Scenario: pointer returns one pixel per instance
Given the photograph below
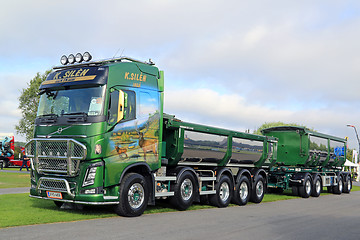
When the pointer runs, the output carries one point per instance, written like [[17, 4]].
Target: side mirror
[[121, 106], [117, 106]]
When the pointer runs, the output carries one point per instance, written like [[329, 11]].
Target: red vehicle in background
[[19, 162], [7, 148]]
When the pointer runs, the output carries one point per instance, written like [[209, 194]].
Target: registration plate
[[56, 195]]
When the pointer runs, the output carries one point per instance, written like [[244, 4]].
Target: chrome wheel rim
[[224, 191], [340, 185], [349, 184], [136, 195], [259, 189], [244, 191], [186, 189], [318, 186], [308, 187]]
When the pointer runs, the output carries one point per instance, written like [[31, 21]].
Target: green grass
[[14, 180], [19, 209]]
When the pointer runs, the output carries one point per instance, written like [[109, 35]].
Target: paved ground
[[328, 217], [14, 190]]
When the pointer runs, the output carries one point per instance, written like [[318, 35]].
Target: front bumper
[[75, 201]]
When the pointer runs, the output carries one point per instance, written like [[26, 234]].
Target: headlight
[[89, 176]]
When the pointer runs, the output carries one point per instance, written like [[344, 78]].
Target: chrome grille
[[52, 184], [57, 165], [56, 156]]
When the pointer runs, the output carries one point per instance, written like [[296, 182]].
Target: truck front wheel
[[134, 196], [184, 191]]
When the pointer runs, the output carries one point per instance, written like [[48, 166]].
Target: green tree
[[275, 124], [28, 103]]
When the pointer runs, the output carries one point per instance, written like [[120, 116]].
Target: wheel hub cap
[[136, 195]]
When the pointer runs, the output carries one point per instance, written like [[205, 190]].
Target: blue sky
[[233, 64]]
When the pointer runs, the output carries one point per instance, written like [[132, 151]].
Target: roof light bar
[[78, 58]]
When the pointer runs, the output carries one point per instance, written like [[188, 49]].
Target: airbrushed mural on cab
[[137, 139]]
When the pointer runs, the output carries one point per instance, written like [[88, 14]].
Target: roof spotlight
[[63, 60], [78, 58], [87, 56], [71, 58]]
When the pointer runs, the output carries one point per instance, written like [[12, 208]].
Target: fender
[[179, 171], [221, 171], [139, 168], [255, 173], [241, 173]]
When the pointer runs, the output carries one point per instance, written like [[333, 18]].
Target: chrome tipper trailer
[[101, 137]]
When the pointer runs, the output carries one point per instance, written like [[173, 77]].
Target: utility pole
[[357, 136]]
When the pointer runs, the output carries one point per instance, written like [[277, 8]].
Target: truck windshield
[[84, 101]]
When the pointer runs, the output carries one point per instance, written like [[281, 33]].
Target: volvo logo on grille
[[59, 131]]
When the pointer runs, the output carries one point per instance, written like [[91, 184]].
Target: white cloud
[[283, 60]]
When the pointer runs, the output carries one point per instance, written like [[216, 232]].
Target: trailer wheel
[[339, 188], [347, 184], [134, 196], [242, 191], [184, 191], [257, 194], [305, 190], [224, 192], [316, 191]]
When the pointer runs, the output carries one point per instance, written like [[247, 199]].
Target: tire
[[347, 184], [242, 191], [58, 204], [133, 195], [330, 189], [295, 190], [224, 192], [338, 189], [257, 193], [184, 191], [306, 189], [317, 187]]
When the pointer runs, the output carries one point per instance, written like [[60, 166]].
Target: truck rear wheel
[[242, 191], [184, 191], [306, 189], [316, 191], [224, 192], [257, 194], [338, 189], [134, 196], [347, 184]]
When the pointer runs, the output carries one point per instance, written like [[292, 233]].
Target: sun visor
[[76, 76]]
